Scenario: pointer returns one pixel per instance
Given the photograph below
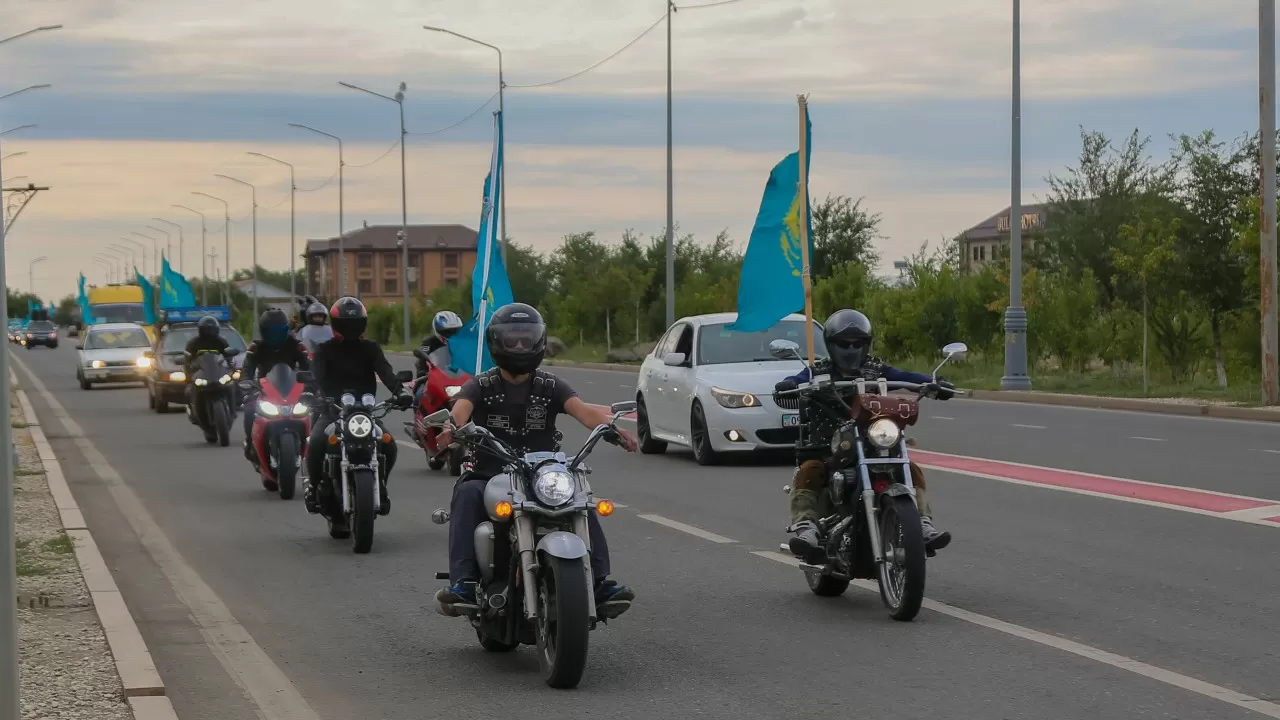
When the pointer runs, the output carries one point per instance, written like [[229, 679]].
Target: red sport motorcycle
[[442, 384], [281, 428]]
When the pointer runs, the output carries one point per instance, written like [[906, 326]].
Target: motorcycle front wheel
[[564, 609], [222, 422], [287, 466], [902, 575], [364, 490]]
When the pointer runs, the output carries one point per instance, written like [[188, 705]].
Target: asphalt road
[[1039, 586]]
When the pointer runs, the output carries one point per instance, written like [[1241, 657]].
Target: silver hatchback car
[[112, 353]]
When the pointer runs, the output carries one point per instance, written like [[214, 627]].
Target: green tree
[[843, 232], [64, 314]]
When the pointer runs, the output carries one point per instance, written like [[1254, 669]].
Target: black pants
[[466, 512], [250, 414], [317, 446]]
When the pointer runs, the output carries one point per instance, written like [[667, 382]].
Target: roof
[[264, 290], [726, 317], [386, 237], [989, 229]]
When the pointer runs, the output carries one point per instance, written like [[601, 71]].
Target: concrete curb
[[143, 687]]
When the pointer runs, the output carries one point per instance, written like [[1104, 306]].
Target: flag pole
[[803, 190], [495, 188]]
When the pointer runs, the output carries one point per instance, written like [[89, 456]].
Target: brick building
[[438, 255], [988, 240]]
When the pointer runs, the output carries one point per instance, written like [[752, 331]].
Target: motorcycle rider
[[315, 331], [444, 325], [518, 403], [277, 345], [208, 338], [348, 363], [848, 337]]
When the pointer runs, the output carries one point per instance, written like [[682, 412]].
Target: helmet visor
[[519, 337]]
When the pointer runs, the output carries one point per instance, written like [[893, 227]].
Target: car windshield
[[718, 345], [118, 313], [40, 326], [176, 339], [123, 338]]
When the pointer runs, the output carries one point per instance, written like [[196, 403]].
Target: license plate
[[790, 420]]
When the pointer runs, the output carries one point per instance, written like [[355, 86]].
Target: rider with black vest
[[518, 403]]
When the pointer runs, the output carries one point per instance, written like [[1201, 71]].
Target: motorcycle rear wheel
[[902, 577], [564, 609], [287, 466], [364, 489]]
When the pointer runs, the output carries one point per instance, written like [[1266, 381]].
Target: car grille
[[120, 363], [787, 402], [779, 436]]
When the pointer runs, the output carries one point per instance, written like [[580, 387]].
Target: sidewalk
[[70, 670]]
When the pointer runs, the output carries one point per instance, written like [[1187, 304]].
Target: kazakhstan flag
[[82, 299], [175, 291], [770, 288], [148, 298]]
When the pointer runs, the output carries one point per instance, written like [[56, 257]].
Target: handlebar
[[481, 439], [863, 385]]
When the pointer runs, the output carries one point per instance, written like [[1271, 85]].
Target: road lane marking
[[1149, 439], [1033, 427], [1168, 677], [694, 531], [1170, 497], [240, 655], [1261, 513], [1273, 452], [940, 417]]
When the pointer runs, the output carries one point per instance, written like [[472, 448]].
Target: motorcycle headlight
[[453, 390], [731, 399], [235, 375], [224, 379], [143, 362], [884, 433], [178, 376], [201, 382], [553, 487], [360, 426], [269, 409], [97, 364], [300, 410]]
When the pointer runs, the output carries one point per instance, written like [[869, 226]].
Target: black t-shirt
[[342, 366], [514, 415]]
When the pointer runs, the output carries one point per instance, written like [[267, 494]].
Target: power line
[[385, 153], [473, 114], [586, 70]]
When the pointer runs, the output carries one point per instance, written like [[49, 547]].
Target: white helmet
[[446, 324]]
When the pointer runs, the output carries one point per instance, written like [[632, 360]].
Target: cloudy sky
[[910, 107]]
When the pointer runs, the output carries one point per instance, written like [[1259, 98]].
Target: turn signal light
[[502, 509], [333, 439], [386, 438], [604, 508]]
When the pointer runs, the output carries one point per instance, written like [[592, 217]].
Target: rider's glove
[[404, 400], [785, 385], [941, 390]]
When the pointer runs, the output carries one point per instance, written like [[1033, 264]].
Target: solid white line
[[696, 532], [241, 656], [1255, 513], [1033, 427], [1139, 437], [1168, 677]]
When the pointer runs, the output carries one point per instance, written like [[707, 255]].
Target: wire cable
[[588, 69], [473, 114], [385, 153]]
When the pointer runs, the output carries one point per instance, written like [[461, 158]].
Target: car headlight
[[553, 487], [178, 376], [731, 399], [225, 379], [360, 426], [143, 362], [300, 410], [884, 433], [97, 364], [269, 409], [201, 382], [453, 390]]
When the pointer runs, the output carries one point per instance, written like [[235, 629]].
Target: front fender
[[897, 489], [564, 545]]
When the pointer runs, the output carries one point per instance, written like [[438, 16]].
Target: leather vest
[[526, 426]]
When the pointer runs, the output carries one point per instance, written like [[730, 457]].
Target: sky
[[910, 104]]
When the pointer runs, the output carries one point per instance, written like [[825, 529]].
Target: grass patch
[[20, 472], [27, 565], [19, 425], [61, 545]]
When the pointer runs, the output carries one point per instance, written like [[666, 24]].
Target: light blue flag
[[82, 299], [770, 287], [148, 298], [490, 286], [175, 291]]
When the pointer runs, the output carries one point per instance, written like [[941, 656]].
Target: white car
[[711, 389], [112, 352]]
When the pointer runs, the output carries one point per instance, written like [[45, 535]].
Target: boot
[[934, 540], [806, 544]]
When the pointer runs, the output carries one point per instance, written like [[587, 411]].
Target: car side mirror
[[674, 359], [80, 346], [405, 376], [306, 377]]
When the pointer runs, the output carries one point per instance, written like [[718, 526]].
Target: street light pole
[[127, 252], [293, 195], [204, 274], [342, 258], [31, 274], [671, 212], [143, 253], [226, 239], [254, 196], [398, 99], [502, 171], [1015, 316], [182, 244], [1267, 135], [104, 265], [168, 241], [110, 262], [155, 252]]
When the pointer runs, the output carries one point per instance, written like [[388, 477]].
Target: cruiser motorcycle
[[536, 584], [874, 531]]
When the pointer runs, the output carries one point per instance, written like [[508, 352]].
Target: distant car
[[111, 353], [711, 389], [40, 332], [165, 379]]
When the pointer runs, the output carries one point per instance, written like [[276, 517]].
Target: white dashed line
[[1168, 677], [940, 417], [1273, 452], [1031, 427], [1139, 437], [696, 532]]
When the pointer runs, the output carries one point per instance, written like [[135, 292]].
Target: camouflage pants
[[809, 501]]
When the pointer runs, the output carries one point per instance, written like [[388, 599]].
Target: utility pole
[[1267, 134], [671, 233], [1015, 316]]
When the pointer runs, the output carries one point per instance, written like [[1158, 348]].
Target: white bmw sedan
[[710, 388]]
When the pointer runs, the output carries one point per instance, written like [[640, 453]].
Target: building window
[[982, 252], [414, 260], [390, 286], [365, 286], [390, 260], [451, 260], [364, 260], [975, 253], [451, 281]]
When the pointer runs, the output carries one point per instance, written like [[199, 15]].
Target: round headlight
[[359, 426], [268, 408], [178, 376], [143, 362], [201, 382], [884, 433], [301, 409], [98, 364], [453, 390], [553, 487], [224, 379]]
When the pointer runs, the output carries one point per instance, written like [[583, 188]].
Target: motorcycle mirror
[[405, 376], [440, 517], [955, 350], [305, 377], [625, 407], [307, 398], [439, 417], [784, 349], [421, 354]]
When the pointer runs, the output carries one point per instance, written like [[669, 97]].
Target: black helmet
[[350, 318], [848, 336], [273, 326], [517, 338], [208, 327], [316, 314]]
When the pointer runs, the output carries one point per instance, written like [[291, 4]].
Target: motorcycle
[[352, 465], [442, 385], [874, 532], [536, 582], [281, 428], [212, 397]]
